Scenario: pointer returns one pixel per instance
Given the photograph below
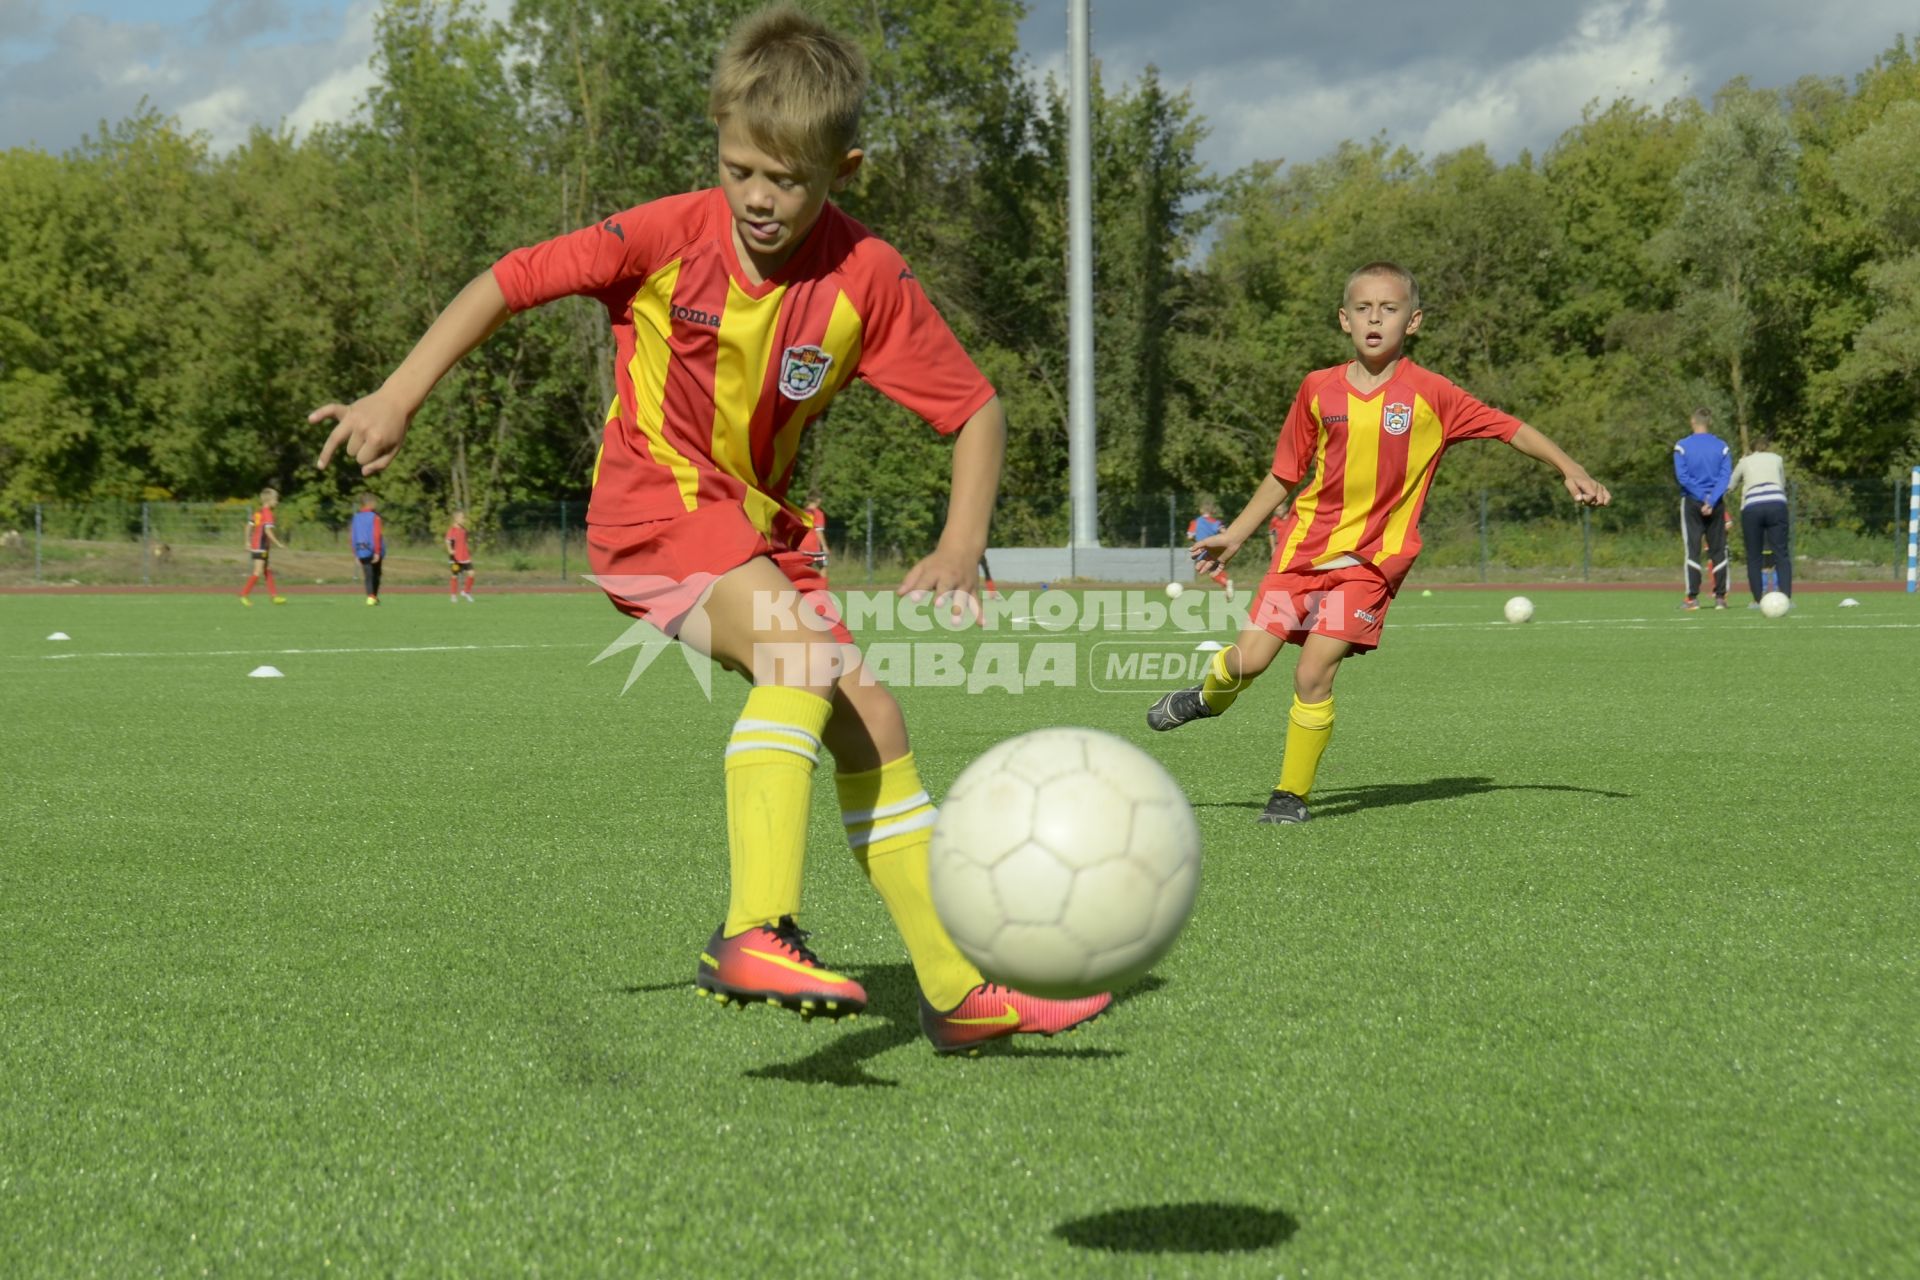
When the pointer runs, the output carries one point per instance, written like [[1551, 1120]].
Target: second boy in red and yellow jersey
[[1372, 457], [1367, 435]]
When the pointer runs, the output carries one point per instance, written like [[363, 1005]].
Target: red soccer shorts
[[1348, 603], [659, 570]]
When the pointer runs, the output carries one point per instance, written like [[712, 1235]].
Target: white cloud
[[1620, 50], [1275, 79], [241, 63], [1288, 108]]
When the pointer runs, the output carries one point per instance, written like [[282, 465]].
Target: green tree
[[1730, 235]]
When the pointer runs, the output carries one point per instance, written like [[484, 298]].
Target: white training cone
[[1848, 603], [1208, 646], [267, 673], [59, 635]]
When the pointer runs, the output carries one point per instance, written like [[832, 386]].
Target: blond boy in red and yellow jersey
[[1371, 431], [737, 314]]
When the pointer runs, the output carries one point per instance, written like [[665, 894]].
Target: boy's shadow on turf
[[1181, 1228], [843, 1060], [1385, 795]]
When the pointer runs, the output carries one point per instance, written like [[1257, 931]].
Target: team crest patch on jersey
[[1399, 419], [803, 371]]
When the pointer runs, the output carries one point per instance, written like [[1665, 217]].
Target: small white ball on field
[[1775, 604], [1519, 609], [1173, 590]]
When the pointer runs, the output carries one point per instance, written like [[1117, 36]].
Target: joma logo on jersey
[[687, 315], [1333, 419], [1365, 617], [803, 371], [1399, 419]]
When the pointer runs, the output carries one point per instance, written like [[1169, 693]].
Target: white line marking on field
[[1067, 626], [237, 653]]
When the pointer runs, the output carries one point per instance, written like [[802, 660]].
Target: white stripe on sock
[[853, 817], [918, 822], [740, 748]]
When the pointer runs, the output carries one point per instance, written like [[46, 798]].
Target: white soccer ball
[[1065, 862], [1519, 609], [1775, 604], [1173, 590]]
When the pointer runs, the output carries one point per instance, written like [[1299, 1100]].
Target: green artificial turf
[[1599, 957]]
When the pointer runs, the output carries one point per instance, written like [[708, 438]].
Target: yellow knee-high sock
[[1219, 690], [889, 822], [1309, 728], [770, 761]]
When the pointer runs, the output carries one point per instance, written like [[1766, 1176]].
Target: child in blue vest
[[369, 546]]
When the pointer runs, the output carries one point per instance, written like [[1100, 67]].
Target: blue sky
[[1275, 78]]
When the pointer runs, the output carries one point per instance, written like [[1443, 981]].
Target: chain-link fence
[[1842, 531]]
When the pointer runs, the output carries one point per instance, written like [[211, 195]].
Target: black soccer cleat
[[1177, 708], [1284, 806]]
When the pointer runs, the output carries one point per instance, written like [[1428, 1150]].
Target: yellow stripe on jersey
[[748, 327], [842, 342], [1423, 444], [1307, 504], [1360, 475], [652, 357], [613, 411]]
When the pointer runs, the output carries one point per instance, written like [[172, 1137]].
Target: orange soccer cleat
[[771, 963], [993, 1012]]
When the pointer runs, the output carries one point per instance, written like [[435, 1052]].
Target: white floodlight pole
[[1083, 479]]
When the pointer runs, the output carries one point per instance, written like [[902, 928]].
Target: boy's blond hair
[[794, 84], [269, 496], [1385, 268]]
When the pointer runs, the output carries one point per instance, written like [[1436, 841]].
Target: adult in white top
[[1762, 479]]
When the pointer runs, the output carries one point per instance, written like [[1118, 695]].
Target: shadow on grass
[[843, 1060], [1336, 801], [656, 987], [1181, 1228], [891, 987]]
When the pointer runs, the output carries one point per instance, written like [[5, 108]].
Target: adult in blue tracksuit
[[1703, 465]]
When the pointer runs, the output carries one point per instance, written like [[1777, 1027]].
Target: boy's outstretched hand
[[952, 579], [370, 428], [1215, 551], [1586, 491]]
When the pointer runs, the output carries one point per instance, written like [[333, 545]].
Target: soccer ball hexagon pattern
[[1065, 862]]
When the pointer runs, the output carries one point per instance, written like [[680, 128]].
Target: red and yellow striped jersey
[[1373, 458], [457, 543], [716, 377], [257, 527]]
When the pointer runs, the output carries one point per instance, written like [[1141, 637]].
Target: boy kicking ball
[[737, 313], [1372, 430]]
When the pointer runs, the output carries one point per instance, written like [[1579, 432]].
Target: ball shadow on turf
[[1207, 1227]]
